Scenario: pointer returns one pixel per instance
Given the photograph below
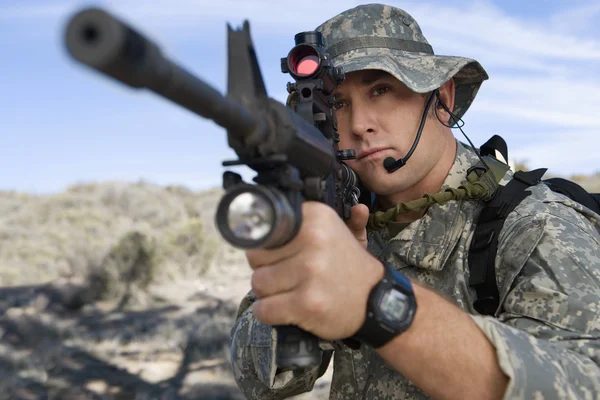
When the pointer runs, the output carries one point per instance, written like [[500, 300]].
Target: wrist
[[390, 308], [376, 274]]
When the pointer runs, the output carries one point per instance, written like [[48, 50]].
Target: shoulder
[[549, 261], [550, 244], [554, 219], [557, 213]]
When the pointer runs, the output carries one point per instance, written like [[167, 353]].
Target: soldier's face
[[378, 117]]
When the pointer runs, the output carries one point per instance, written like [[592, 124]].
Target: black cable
[[392, 165], [456, 124]]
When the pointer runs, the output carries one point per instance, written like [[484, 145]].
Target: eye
[[339, 104], [379, 90]]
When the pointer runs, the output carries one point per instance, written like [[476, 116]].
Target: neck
[[431, 183]]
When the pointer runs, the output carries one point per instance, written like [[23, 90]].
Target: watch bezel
[[378, 330], [385, 286], [389, 297]]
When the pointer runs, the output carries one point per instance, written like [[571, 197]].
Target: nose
[[361, 121]]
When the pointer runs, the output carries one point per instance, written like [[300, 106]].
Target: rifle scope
[[308, 60]]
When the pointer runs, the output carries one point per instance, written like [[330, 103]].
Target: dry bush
[[64, 235], [520, 165], [190, 246], [129, 265], [100, 296]]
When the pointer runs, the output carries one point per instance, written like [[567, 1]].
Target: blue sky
[[62, 124]]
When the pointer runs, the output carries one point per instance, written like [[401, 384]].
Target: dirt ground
[[176, 348]]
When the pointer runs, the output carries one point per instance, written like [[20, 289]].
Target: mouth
[[371, 154]]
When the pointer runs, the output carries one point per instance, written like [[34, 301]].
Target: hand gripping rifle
[[294, 149]]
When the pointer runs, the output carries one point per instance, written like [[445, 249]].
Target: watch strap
[[372, 332]]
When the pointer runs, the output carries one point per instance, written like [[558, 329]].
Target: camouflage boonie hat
[[377, 36]]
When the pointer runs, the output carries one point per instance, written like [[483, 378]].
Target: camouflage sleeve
[[547, 335], [253, 360]]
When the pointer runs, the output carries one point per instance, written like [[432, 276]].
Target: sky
[[62, 124]]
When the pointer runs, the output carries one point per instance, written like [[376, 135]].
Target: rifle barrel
[[108, 45]]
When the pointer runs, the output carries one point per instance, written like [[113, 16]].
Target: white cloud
[[543, 84], [548, 116], [485, 24], [559, 101], [542, 69], [192, 13], [44, 10], [576, 19], [569, 152]]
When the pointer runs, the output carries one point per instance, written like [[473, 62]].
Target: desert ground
[[120, 290]]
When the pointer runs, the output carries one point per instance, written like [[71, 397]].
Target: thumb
[[359, 216]]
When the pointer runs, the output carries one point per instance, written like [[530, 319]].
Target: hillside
[[120, 291], [117, 291]]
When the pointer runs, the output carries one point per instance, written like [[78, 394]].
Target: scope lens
[[307, 66], [303, 60], [250, 216]]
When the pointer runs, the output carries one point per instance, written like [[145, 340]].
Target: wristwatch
[[391, 308]]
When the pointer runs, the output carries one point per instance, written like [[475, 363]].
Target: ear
[[447, 96]]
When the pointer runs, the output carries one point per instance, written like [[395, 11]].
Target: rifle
[[293, 149]]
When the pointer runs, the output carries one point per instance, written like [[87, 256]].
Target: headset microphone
[[390, 164]]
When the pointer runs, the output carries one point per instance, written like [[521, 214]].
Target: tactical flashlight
[[253, 216]]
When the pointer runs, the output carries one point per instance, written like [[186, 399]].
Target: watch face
[[393, 305]]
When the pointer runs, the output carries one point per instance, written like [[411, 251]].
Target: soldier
[[543, 340]]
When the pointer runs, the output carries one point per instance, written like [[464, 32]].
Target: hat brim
[[420, 72]]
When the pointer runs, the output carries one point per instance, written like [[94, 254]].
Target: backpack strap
[[575, 192], [484, 246]]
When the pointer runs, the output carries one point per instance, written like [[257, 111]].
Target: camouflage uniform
[[547, 331]]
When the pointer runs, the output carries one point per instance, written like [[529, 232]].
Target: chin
[[380, 182]]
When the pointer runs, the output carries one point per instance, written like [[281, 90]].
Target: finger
[[359, 216], [275, 279], [276, 310], [258, 258]]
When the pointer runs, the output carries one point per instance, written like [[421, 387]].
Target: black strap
[[484, 246], [494, 143], [362, 42], [575, 192], [596, 197]]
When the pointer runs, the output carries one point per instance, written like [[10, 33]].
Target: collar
[[429, 241]]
